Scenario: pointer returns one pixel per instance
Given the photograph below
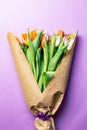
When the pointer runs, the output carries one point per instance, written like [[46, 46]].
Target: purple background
[[17, 16]]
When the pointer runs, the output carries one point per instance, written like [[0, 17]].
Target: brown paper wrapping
[[52, 96]]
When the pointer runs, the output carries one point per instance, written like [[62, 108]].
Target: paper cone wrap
[[50, 100]]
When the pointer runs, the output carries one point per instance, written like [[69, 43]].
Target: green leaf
[[24, 48], [45, 50], [41, 69], [46, 77], [54, 61], [29, 39], [52, 46], [38, 64], [44, 64], [61, 43], [31, 57], [37, 40]]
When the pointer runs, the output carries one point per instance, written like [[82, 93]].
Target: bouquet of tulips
[[43, 64]]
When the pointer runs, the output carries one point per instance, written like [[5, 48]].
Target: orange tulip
[[60, 33], [33, 34], [25, 38], [42, 41]]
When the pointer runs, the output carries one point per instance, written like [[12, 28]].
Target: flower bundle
[[43, 63]]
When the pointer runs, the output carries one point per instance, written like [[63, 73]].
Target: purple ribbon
[[43, 116]]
